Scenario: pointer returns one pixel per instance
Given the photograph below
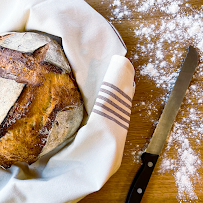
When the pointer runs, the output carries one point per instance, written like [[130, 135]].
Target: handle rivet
[[150, 164], [139, 190]]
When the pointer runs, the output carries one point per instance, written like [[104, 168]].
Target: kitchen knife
[[151, 154]]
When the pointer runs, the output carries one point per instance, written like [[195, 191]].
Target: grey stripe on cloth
[[118, 115], [118, 90], [110, 118]]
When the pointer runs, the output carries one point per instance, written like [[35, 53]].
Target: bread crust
[[49, 109]]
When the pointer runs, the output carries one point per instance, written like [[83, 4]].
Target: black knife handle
[[142, 177]]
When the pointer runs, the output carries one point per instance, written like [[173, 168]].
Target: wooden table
[[178, 174]]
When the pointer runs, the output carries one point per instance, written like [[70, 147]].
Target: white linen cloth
[[105, 78]]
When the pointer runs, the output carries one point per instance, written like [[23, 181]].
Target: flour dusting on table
[[174, 29]]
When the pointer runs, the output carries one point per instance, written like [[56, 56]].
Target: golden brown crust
[[48, 90]]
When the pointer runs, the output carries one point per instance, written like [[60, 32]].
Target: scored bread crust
[[49, 109]]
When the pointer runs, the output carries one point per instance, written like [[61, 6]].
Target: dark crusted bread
[[49, 108]]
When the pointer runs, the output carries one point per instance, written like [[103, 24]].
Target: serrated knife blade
[[151, 154]]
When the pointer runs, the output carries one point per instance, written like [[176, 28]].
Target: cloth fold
[[105, 78]]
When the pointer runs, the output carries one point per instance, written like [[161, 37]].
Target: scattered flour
[[119, 11], [186, 162], [175, 27], [180, 28]]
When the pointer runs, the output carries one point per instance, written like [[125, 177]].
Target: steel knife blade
[[151, 154]]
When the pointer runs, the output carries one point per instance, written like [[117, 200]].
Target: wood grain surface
[[148, 101]]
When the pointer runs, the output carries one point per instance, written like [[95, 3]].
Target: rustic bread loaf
[[45, 107]]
